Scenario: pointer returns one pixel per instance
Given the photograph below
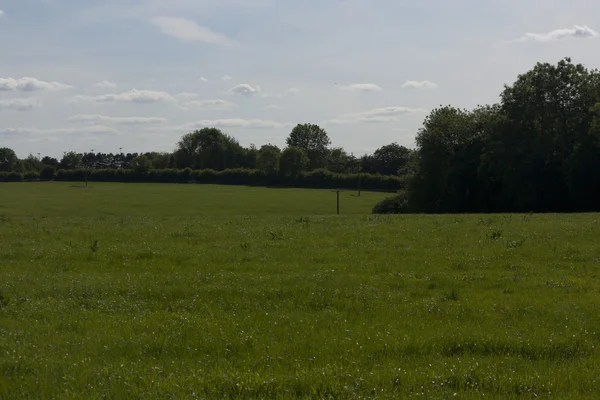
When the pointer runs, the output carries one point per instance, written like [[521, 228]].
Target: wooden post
[[337, 200]]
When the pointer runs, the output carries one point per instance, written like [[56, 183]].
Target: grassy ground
[[277, 303], [119, 199]]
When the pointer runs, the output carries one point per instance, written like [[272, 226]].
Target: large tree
[[141, 165], [71, 160], [387, 160], [292, 162], [532, 155], [268, 159], [8, 159], [449, 147], [338, 160], [313, 140], [209, 148]]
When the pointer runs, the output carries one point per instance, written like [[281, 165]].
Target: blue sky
[[104, 74]]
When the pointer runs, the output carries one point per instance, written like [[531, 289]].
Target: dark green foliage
[[141, 165], [317, 179], [393, 205], [537, 150], [47, 173], [292, 162], [268, 159], [8, 159], [313, 141], [387, 160], [71, 160], [10, 176], [31, 176]]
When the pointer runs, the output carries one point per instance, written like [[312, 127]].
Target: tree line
[[536, 150], [212, 156]]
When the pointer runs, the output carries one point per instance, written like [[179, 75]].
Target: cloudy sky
[[137, 74]]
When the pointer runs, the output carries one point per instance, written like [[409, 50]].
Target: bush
[[31, 176], [47, 173], [14, 177], [393, 205], [317, 179]]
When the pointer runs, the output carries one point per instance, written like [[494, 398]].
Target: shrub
[[393, 205], [317, 179], [13, 177], [31, 176], [47, 173]]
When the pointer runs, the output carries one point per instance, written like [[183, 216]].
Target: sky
[[134, 76]]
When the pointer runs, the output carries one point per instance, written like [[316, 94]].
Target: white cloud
[[186, 96], [226, 78], [118, 120], [577, 32], [363, 87], [132, 96], [87, 130], [105, 85], [211, 104], [27, 84], [377, 115], [189, 31], [203, 79], [236, 123], [272, 107], [293, 90], [19, 104], [84, 131], [419, 85], [1, 13], [245, 89]]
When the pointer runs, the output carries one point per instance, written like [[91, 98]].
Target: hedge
[[317, 179]]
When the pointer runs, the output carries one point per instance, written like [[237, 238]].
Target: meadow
[[129, 291]]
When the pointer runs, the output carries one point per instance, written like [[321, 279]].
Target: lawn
[[190, 291], [138, 199]]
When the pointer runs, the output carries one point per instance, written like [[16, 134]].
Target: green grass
[[158, 301], [74, 199]]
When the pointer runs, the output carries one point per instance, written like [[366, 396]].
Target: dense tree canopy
[[537, 150], [268, 159], [313, 141], [8, 159], [293, 161]]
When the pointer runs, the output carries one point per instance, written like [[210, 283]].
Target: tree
[[387, 160], [209, 148], [50, 161], [341, 162], [71, 160], [47, 173], [250, 157], [141, 165], [8, 159], [449, 150], [292, 162], [268, 159], [313, 140], [547, 125], [159, 160], [32, 164]]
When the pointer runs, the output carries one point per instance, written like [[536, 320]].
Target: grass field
[[74, 199], [189, 291]]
